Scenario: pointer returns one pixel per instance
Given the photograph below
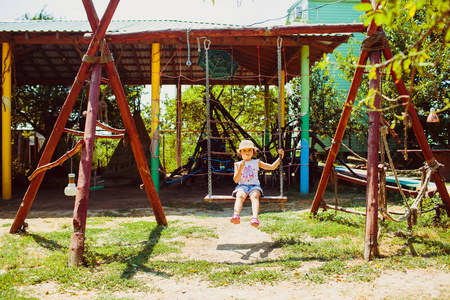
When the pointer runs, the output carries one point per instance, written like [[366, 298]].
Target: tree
[[244, 103], [419, 36]]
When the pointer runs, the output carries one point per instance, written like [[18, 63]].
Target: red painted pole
[[370, 241], [340, 130], [129, 125], [76, 248], [418, 130], [136, 145], [357, 77], [62, 119]]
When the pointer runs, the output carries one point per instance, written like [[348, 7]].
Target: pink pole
[[370, 241], [76, 248]]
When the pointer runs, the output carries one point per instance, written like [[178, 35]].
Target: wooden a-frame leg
[[418, 130], [76, 248], [371, 229], [130, 127], [357, 77], [62, 118]]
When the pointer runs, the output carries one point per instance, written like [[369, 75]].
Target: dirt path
[[239, 244]]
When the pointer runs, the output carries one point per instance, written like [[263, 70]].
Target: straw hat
[[246, 144]]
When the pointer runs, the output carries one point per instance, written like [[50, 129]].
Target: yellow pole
[[283, 82], [156, 69], [6, 122]]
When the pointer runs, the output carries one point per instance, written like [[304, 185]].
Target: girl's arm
[[238, 170], [275, 164]]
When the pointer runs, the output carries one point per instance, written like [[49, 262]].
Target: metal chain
[[206, 44], [279, 42], [188, 63]]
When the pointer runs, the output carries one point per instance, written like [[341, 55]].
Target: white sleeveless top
[[249, 175]]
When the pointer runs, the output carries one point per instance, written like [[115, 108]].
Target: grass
[[122, 254]]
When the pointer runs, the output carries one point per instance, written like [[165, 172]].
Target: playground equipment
[[300, 41], [375, 45], [91, 60], [210, 197]]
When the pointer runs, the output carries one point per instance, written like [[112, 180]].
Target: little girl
[[246, 176]]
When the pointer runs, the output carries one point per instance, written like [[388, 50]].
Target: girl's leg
[[254, 197], [240, 198]]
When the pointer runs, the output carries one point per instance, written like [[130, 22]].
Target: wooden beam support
[[371, 232], [76, 248], [418, 130], [129, 125], [119, 38], [63, 117], [345, 116]]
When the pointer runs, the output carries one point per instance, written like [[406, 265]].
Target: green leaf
[[399, 117], [447, 36], [393, 123], [412, 12], [363, 7], [378, 19], [373, 73]]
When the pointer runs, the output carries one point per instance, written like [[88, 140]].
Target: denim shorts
[[247, 189]]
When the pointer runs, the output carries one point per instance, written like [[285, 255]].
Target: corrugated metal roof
[[43, 57], [115, 26]]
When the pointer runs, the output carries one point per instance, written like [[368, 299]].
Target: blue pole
[[304, 155]]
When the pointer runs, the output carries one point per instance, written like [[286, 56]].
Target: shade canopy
[[50, 52]]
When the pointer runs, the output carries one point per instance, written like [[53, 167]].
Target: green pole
[[304, 155]]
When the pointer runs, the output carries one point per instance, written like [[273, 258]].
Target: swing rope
[[207, 44], [413, 208], [280, 166]]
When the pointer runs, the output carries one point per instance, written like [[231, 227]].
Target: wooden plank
[[119, 38], [226, 198]]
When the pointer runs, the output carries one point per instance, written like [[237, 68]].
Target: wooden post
[[267, 136], [178, 124], [129, 124], [76, 248], [156, 69], [6, 122], [63, 116], [283, 100], [370, 241], [304, 134]]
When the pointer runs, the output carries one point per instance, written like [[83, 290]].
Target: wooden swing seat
[[225, 198]]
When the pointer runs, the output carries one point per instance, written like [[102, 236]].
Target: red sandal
[[254, 222], [235, 219]]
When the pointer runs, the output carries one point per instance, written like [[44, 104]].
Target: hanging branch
[[78, 147]]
